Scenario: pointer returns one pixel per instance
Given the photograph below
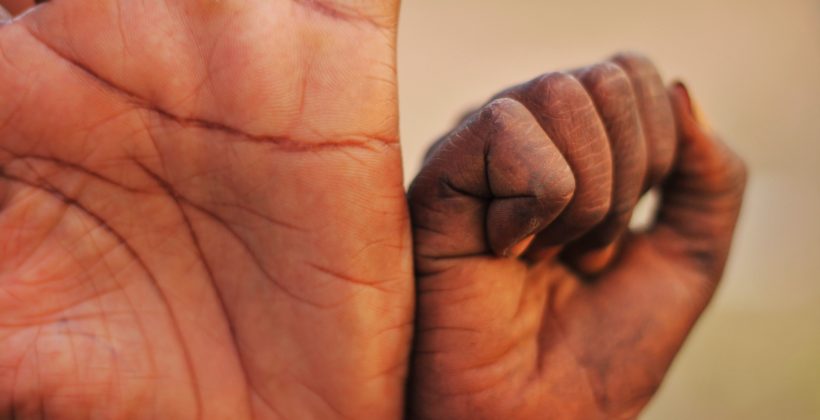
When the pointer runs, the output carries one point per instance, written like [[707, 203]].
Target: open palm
[[535, 300], [202, 211]]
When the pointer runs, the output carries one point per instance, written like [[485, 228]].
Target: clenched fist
[[535, 300]]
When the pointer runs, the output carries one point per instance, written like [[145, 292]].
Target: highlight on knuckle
[[606, 78]]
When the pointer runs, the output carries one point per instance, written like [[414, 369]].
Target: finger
[[567, 114], [491, 182], [656, 114], [441, 140], [649, 304], [702, 198], [497, 179], [15, 7], [610, 89]]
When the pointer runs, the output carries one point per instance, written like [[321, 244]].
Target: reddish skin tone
[[195, 220], [225, 301], [14, 7], [586, 322]]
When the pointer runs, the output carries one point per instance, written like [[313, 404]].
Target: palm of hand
[[586, 322], [199, 229]]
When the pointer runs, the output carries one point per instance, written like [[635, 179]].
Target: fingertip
[[592, 262], [684, 110], [687, 109], [680, 99], [680, 93], [518, 249], [631, 58]]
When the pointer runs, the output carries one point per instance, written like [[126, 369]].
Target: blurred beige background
[[754, 66]]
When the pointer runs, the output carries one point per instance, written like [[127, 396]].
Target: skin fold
[[202, 212], [535, 300]]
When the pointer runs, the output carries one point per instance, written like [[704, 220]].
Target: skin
[[209, 227], [535, 300], [196, 221]]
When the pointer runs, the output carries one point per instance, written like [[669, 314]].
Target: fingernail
[[684, 91], [518, 248], [694, 109]]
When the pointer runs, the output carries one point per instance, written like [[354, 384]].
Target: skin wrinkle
[[307, 65], [462, 192], [370, 142], [335, 12], [660, 153], [257, 261], [48, 233], [134, 190], [13, 296], [8, 60], [594, 386], [76, 167], [398, 367], [16, 372], [57, 313], [121, 29], [401, 363], [492, 132], [15, 111], [179, 202], [72, 346], [492, 125], [557, 100], [46, 315], [266, 403], [222, 210], [42, 401], [692, 220], [324, 400], [153, 280], [262, 216], [427, 228], [208, 77], [347, 278]]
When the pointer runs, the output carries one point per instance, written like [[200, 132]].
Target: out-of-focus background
[[754, 67]]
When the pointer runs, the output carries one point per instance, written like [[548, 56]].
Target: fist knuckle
[[555, 91], [605, 78], [635, 61], [559, 191], [501, 113]]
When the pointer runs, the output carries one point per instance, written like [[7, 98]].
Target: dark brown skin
[[535, 300]]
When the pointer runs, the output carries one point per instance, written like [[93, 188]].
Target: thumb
[[701, 200]]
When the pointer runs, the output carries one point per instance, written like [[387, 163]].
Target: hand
[[201, 211], [535, 299]]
